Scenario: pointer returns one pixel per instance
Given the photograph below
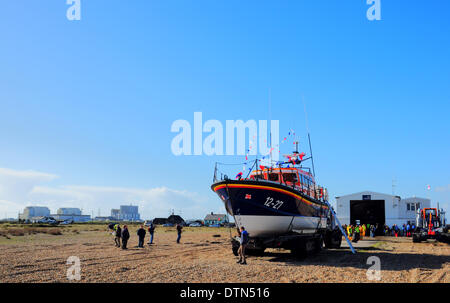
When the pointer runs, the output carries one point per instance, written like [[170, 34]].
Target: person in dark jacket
[[372, 231], [179, 230], [118, 234], [141, 234], [125, 237], [242, 245], [151, 230], [357, 234]]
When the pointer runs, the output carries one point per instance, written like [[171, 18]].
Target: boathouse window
[[273, 177], [411, 206], [290, 177]]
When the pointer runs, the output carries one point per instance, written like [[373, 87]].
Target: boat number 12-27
[[270, 203]]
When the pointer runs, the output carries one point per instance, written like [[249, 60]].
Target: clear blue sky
[[92, 101]]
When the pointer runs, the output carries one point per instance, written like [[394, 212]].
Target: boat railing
[[301, 182], [221, 175]]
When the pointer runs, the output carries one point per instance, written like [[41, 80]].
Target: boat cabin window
[[273, 177], [290, 177], [306, 181], [258, 176]]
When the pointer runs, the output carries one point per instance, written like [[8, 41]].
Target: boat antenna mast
[[270, 125], [309, 137]]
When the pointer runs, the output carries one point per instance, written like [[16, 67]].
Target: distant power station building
[[71, 214], [115, 213], [129, 213], [34, 211], [69, 211], [377, 208], [126, 213]]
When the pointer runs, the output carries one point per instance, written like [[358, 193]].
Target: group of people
[[122, 235], [358, 231], [405, 230]]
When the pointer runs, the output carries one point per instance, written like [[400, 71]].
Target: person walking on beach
[[151, 230], [179, 230], [141, 234], [125, 237], [242, 245], [118, 234]]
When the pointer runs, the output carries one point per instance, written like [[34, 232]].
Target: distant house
[[214, 219], [173, 219], [160, 221]]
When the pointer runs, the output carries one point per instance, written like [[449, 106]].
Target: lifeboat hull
[[268, 208]]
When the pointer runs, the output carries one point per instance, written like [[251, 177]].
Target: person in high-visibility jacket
[[349, 232]]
